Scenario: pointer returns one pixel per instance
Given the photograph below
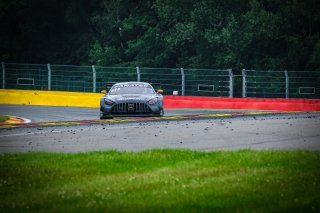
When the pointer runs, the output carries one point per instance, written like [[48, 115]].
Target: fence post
[[94, 78], [3, 75], [231, 83], [183, 82], [244, 83], [287, 83], [49, 76], [138, 74]]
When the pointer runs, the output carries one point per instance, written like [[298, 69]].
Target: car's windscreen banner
[[132, 85]]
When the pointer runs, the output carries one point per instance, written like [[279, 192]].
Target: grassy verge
[[3, 118], [161, 180]]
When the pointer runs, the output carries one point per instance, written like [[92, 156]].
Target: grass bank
[[161, 180]]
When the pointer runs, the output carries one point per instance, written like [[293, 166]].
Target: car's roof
[[132, 82]]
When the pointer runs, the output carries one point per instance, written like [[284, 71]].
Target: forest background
[[251, 34]]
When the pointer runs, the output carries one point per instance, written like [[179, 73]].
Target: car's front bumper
[[125, 109]]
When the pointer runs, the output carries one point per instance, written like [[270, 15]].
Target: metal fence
[[174, 81], [281, 84]]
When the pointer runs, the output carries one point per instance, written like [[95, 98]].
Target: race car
[[131, 99]]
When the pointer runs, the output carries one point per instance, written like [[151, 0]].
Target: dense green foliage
[[161, 181], [251, 34]]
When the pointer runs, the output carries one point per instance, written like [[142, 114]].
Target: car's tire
[[102, 116]]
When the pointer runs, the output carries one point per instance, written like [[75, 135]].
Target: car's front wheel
[[103, 116]]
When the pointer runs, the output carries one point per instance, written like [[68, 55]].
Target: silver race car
[[131, 99]]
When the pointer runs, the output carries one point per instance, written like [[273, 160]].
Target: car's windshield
[[131, 89]]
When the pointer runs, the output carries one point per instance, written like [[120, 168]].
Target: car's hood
[[142, 97]]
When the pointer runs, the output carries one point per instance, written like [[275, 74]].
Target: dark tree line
[[251, 34]]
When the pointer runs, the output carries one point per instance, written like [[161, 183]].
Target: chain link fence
[[169, 80], [111, 75], [70, 78], [281, 84], [271, 84], [209, 82], [24, 76], [303, 84], [174, 81]]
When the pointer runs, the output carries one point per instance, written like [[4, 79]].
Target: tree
[[251, 34], [36, 31]]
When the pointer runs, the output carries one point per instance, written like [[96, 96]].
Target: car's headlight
[[152, 101], [108, 101]]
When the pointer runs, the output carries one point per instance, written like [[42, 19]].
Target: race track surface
[[271, 131], [54, 114]]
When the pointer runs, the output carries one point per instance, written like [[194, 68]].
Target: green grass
[[3, 118], [161, 181]]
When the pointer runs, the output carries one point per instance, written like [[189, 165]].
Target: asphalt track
[[54, 114], [270, 131]]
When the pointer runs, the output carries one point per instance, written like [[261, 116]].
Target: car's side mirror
[[159, 91], [104, 91]]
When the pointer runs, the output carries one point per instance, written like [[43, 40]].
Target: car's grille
[[131, 108]]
